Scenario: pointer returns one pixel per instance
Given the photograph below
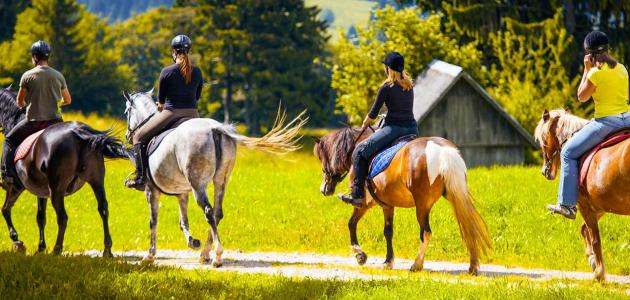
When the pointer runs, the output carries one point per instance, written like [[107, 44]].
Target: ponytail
[[403, 79], [185, 67]]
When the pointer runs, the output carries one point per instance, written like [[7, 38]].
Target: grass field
[[273, 204], [47, 277]]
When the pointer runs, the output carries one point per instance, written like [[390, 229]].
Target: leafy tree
[[357, 69], [80, 50]]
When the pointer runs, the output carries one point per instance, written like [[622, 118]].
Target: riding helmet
[[40, 49], [596, 41], [181, 43], [394, 61]]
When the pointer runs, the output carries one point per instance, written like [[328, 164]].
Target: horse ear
[[151, 91], [566, 108], [545, 115], [9, 87], [126, 95]]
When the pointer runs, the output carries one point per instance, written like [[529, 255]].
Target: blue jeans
[[582, 141]]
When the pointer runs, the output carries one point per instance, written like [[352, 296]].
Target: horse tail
[[451, 166], [280, 139], [102, 141]]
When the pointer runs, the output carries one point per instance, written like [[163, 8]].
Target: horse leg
[[153, 197], [41, 223], [183, 222], [357, 214], [422, 216], [62, 218], [219, 192], [12, 196], [588, 246], [388, 231], [213, 236], [103, 210], [590, 220]]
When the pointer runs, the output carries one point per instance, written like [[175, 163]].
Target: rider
[[41, 88], [397, 94], [179, 88], [607, 82]]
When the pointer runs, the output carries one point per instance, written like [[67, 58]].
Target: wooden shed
[[449, 103]]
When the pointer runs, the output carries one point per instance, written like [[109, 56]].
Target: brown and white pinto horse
[[421, 172], [607, 182]]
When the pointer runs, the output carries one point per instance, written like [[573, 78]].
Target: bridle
[[133, 131], [339, 177], [552, 157]]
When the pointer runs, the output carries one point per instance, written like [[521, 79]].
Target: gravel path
[[319, 266]]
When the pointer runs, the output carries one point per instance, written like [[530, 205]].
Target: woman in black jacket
[[397, 95]]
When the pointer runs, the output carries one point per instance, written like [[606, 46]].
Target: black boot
[[8, 167], [140, 157], [357, 197]]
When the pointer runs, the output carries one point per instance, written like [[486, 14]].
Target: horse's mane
[[10, 113], [335, 150], [567, 124]]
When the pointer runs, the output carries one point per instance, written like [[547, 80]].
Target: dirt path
[[321, 266]]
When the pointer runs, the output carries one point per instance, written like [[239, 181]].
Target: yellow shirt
[[611, 92]]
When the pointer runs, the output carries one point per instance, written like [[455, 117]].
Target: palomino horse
[[607, 181], [60, 162], [197, 152], [421, 172]]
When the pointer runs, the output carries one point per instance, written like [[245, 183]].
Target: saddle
[[26, 145], [612, 139], [157, 139], [381, 160]]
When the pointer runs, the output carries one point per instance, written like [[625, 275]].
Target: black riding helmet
[[395, 61], [181, 43], [40, 49], [596, 41]]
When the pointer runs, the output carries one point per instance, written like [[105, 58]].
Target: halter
[[133, 131], [552, 157]]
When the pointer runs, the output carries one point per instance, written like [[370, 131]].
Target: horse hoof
[[19, 247], [217, 263], [204, 260], [57, 250], [473, 271], [416, 268], [194, 244], [361, 258], [107, 253], [388, 265], [591, 261], [148, 259]]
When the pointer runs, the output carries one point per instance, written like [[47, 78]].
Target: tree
[[8, 14], [358, 71], [80, 50]]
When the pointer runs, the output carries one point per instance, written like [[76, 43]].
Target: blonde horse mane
[[567, 124]]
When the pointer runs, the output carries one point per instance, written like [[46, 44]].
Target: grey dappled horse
[[197, 152]]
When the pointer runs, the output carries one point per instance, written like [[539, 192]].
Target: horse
[[65, 157], [422, 171], [197, 152], [607, 181]]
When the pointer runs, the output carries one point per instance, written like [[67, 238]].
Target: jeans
[[582, 141], [365, 150]]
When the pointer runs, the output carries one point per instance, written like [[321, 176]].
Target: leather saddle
[[586, 159]]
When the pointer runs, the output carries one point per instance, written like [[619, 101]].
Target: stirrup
[[348, 198], [565, 211], [136, 183]]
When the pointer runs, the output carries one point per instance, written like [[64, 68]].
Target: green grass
[[274, 204], [44, 276]]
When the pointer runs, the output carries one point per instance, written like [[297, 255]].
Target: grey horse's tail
[[279, 140], [109, 145]]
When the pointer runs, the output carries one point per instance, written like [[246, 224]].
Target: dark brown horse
[[421, 172], [60, 162], [607, 181]]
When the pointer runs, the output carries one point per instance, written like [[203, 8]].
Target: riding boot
[[139, 183], [357, 197], [8, 166]]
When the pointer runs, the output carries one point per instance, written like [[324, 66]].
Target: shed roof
[[437, 80]]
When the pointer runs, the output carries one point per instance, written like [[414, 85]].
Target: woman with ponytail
[[397, 94], [179, 89]]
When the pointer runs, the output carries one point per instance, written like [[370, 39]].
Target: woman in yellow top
[[607, 82]]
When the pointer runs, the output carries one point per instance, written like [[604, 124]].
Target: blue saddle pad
[[382, 159]]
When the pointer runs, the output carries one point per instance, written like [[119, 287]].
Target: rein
[[133, 131], [340, 177]]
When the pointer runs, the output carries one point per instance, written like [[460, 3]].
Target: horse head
[[139, 107], [334, 151], [10, 113], [553, 130]]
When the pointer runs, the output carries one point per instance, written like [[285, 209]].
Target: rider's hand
[[366, 123], [160, 106], [588, 62]]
